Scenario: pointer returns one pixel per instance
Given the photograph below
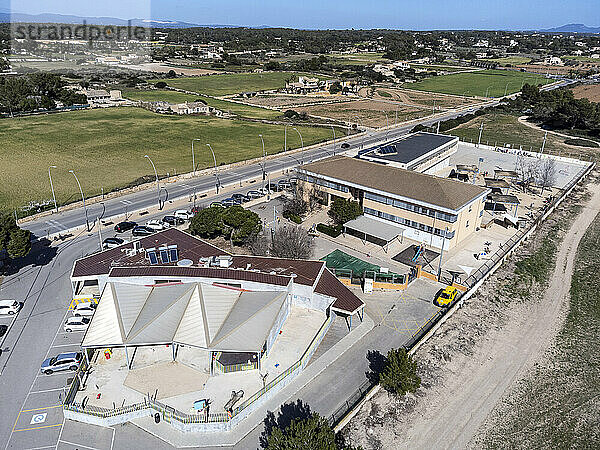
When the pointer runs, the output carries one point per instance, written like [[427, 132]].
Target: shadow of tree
[[377, 363], [41, 254], [288, 412]]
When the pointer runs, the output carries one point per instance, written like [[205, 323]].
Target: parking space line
[[48, 390], [76, 445], [39, 409], [37, 428], [41, 448], [66, 345], [60, 434]]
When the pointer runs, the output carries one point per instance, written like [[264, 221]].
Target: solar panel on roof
[[387, 149], [173, 253], [151, 254], [164, 255]]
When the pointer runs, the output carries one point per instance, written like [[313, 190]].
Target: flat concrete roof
[[374, 227], [410, 148]]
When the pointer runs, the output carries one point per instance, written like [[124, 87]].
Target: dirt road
[[472, 390]]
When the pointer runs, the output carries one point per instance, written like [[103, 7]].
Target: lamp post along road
[[194, 157], [157, 182], [333, 129], [263, 158], [216, 172], [87, 222], [52, 187], [302, 144]]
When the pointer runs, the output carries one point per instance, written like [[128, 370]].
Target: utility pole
[[544, 143], [52, 187], [480, 132]]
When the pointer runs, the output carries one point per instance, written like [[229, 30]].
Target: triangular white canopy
[[195, 314]]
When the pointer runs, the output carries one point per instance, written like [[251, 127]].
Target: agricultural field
[[371, 113], [491, 82], [512, 60], [502, 129], [439, 67], [106, 148], [352, 59], [589, 91], [419, 98], [181, 97], [289, 101], [228, 84]]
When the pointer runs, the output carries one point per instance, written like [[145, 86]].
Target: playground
[[417, 255]]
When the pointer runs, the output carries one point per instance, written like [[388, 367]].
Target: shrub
[[399, 374], [160, 85], [329, 230]]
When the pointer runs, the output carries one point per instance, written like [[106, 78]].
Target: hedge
[[329, 230]]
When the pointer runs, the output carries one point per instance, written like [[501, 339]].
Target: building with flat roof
[[421, 152], [427, 209]]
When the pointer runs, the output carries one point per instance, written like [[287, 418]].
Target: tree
[[171, 74], [399, 375], [293, 242], [19, 244], [526, 173], [160, 85], [240, 224], [342, 211], [207, 223], [273, 65], [335, 88], [547, 174]]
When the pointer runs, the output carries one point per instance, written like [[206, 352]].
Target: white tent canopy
[[195, 314]]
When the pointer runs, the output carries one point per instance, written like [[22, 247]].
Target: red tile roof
[[189, 247], [346, 300], [306, 272], [200, 272]]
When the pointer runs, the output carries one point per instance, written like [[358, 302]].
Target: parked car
[[446, 297], [172, 220], [122, 227], [254, 194], [112, 242], [9, 307], [62, 361], [243, 198], [3, 330], [345, 145], [86, 309], [216, 205], [263, 190], [183, 214], [273, 187], [142, 230], [228, 202], [284, 184], [76, 323], [156, 225]]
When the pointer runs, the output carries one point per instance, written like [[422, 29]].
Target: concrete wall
[[281, 317]]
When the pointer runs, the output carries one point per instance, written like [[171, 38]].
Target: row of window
[[451, 218], [324, 183], [408, 223]]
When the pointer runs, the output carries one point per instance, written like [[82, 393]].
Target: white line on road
[[66, 345], [48, 390], [76, 445]]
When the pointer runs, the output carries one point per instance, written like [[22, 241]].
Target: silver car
[[62, 361]]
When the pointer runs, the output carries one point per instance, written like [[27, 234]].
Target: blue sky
[[402, 14]]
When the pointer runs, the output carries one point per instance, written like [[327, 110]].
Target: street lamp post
[[87, 222], [52, 187], [506, 89], [285, 138], [157, 182], [263, 158], [333, 129], [194, 157], [387, 126], [480, 132], [302, 144], [216, 172]]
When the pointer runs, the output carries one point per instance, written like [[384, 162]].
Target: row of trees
[[35, 91]]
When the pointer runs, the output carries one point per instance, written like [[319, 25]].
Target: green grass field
[[226, 84], [180, 97], [477, 83], [106, 148]]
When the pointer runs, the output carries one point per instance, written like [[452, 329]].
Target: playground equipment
[[418, 253], [235, 397], [201, 405]]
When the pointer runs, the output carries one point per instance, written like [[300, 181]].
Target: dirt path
[[475, 386], [523, 121]]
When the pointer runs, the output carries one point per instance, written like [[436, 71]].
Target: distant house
[[554, 61], [304, 85], [97, 96], [190, 108]]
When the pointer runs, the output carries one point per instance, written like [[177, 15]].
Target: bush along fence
[[342, 415], [201, 422]]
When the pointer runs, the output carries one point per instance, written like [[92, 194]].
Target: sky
[[329, 14]]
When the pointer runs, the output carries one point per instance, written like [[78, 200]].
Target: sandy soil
[[290, 101], [589, 91], [474, 360], [417, 98]]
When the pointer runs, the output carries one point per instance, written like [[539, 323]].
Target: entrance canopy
[[200, 315], [376, 228]]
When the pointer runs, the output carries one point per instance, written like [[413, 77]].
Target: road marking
[[40, 409], [66, 345], [49, 390], [76, 445], [41, 448], [38, 418], [60, 434], [127, 202], [37, 428]]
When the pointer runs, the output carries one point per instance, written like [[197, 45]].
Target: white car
[[156, 225], [183, 214], [77, 324], [9, 307], [86, 309]]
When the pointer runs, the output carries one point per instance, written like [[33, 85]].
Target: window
[[409, 223], [411, 207]]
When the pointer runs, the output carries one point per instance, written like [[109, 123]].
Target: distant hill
[[69, 19], [573, 28]]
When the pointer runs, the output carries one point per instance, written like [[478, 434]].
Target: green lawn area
[[511, 60], [582, 59], [180, 97], [225, 84], [477, 83], [106, 148], [501, 129]]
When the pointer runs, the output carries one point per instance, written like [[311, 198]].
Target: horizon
[[508, 15]]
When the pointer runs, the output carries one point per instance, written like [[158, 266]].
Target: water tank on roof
[[185, 263]]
